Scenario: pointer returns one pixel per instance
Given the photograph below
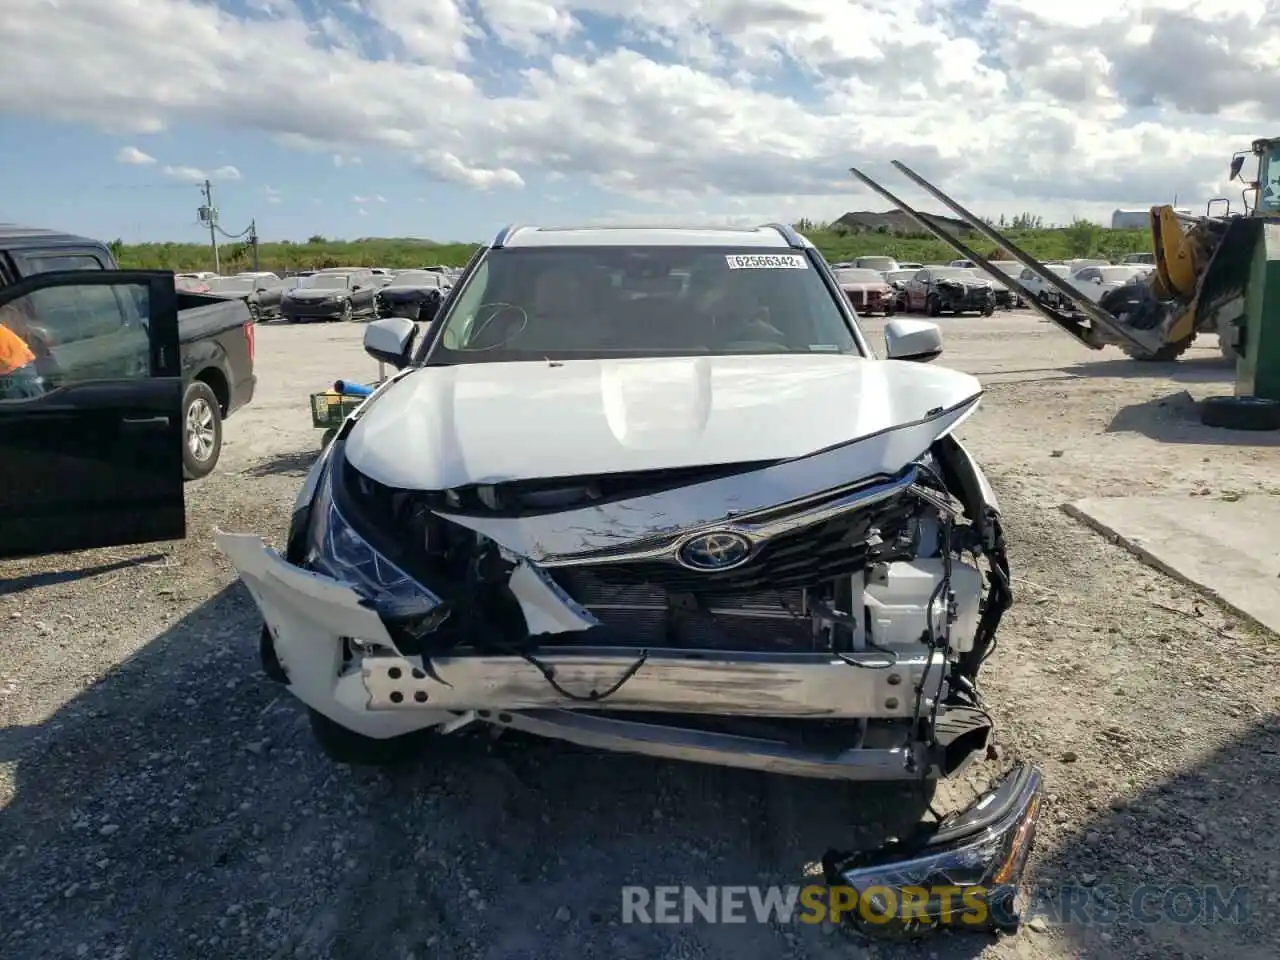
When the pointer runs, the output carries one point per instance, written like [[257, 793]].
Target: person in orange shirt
[[18, 376]]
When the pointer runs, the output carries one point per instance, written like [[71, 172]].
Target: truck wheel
[[932, 306], [1240, 413], [989, 310], [346, 746], [201, 431]]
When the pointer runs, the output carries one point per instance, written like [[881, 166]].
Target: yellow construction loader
[[1201, 267]]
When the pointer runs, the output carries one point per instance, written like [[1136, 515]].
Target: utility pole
[[209, 214], [253, 242]]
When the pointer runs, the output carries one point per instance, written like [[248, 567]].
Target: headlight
[[334, 548], [965, 877]]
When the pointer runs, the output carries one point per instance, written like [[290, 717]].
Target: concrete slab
[[1228, 547]]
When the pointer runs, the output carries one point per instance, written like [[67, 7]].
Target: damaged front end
[[773, 616]]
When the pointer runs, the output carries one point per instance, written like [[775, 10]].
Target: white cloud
[[272, 195], [134, 156], [376, 198], [721, 106], [196, 175]]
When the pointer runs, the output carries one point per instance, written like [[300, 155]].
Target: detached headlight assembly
[[965, 876], [334, 548]]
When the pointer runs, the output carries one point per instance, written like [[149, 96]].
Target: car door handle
[[142, 423]]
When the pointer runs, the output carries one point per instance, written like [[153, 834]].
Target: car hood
[[313, 294], [438, 428]]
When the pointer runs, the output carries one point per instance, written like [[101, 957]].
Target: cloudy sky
[[448, 118]]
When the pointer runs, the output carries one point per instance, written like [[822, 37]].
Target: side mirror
[[390, 339], [355, 287], [1236, 164], [1097, 280], [917, 340]]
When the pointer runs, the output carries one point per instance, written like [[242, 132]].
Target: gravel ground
[[163, 800]]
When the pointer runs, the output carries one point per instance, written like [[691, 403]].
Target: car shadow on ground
[[186, 786], [1187, 370], [295, 463], [1145, 877], [1175, 418], [50, 578]]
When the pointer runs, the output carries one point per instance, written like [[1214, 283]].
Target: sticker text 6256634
[[766, 261]]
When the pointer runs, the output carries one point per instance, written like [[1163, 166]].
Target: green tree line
[[1082, 238]]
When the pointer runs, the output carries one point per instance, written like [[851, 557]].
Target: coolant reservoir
[[897, 600]]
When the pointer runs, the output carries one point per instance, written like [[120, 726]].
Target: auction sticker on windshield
[[766, 261]]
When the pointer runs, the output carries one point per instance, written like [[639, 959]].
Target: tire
[[1168, 352], [932, 306], [989, 310], [1240, 413], [347, 312], [888, 311], [346, 746], [201, 431]]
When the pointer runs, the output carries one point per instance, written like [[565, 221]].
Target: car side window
[[922, 276], [1089, 275], [51, 262], [64, 335]]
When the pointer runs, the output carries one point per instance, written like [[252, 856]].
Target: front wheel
[[989, 310], [346, 746], [201, 431], [346, 312], [933, 306]]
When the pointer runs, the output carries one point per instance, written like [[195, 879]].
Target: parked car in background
[[1041, 290], [910, 266], [190, 284], [262, 292], [415, 294], [1093, 282], [1006, 297], [198, 275], [963, 263], [330, 295], [897, 279], [1139, 258], [867, 290], [878, 264], [955, 290]]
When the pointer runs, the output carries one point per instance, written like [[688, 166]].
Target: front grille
[[794, 560]]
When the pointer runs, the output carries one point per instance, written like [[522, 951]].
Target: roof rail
[[794, 240], [504, 235]]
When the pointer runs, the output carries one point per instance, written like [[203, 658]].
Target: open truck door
[[90, 413]]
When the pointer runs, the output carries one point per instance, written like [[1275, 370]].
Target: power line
[[208, 216]]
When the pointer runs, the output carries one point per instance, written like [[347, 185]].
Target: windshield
[[853, 275], [953, 273], [899, 276], [615, 301], [878, 263], [325, 281], [231, 285], [415, 278]]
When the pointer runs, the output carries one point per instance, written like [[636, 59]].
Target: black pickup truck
[[85, 334]]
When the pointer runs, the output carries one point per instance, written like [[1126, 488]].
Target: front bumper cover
[[963, 875], [313, 620]]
